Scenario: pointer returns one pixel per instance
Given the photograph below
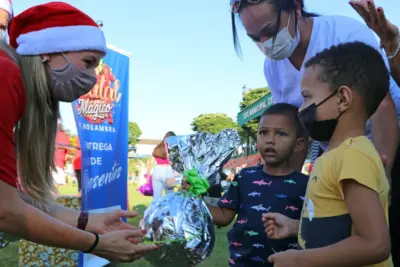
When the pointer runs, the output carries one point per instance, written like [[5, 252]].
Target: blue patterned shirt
[[252, 193]]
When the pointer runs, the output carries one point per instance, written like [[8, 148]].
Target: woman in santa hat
[[54, 50]]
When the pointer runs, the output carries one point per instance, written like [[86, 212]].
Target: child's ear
[[300, 142], [345, 98]]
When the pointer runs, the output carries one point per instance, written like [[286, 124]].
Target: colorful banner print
[[101, 118]]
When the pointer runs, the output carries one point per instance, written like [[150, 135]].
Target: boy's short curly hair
[[358, 66], [289, 111]]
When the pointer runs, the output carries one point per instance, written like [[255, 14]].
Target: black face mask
[[318, 130]]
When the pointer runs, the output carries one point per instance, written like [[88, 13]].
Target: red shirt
[[12, 108], [77, 157], [59, 157]]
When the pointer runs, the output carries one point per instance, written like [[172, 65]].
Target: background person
[[162, 170]]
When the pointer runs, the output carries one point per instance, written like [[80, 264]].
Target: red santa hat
[[53, 28]]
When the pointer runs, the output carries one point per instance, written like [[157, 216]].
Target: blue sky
[[183, 62]]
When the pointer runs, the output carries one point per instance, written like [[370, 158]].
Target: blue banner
[[101, 118]]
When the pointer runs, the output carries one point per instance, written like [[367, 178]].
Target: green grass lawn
[[219, 258]]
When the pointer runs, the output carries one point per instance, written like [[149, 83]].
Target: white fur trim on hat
[[62, 39]]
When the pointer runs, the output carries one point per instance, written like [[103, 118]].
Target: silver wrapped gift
[[205, 152], [182, 225]]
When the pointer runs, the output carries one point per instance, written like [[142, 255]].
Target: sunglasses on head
[[235, 4]]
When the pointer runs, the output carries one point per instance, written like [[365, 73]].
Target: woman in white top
[[290, 36]]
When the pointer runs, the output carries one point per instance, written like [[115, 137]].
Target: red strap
[[83, 220]]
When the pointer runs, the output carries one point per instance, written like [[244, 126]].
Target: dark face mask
[[318, 130]]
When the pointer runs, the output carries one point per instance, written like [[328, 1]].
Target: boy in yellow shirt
[[344, 220]]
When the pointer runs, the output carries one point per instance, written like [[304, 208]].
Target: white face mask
[[284, 43]]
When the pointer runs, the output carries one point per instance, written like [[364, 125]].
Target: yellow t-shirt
[[325, 217]]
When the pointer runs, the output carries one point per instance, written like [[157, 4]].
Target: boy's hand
[[278, 226], [285, 259], [194, 183]]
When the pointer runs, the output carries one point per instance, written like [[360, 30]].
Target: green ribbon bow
[[198, 185]]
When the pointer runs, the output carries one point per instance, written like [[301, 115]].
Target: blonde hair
[[35, 133]]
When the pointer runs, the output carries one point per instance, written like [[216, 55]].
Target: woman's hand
[[110, 221], [375, 19], [278, 226], [115, 247]]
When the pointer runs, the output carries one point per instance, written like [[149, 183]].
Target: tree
[[134, 133], [252, 96], [213, 123], [249, 98]]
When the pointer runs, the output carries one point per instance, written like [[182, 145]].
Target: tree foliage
[[249, 98], [134, 133], [252, 96], [213, 123], [216, 122]]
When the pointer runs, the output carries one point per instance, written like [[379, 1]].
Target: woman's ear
[[300, 142]]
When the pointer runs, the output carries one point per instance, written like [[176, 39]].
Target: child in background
[[345, 215], [162, 170], [273, 187]]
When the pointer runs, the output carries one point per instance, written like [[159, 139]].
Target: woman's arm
[[392, 46], [19, 219], [386, 141], [100, 223], [57, 211], [388, 33]]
